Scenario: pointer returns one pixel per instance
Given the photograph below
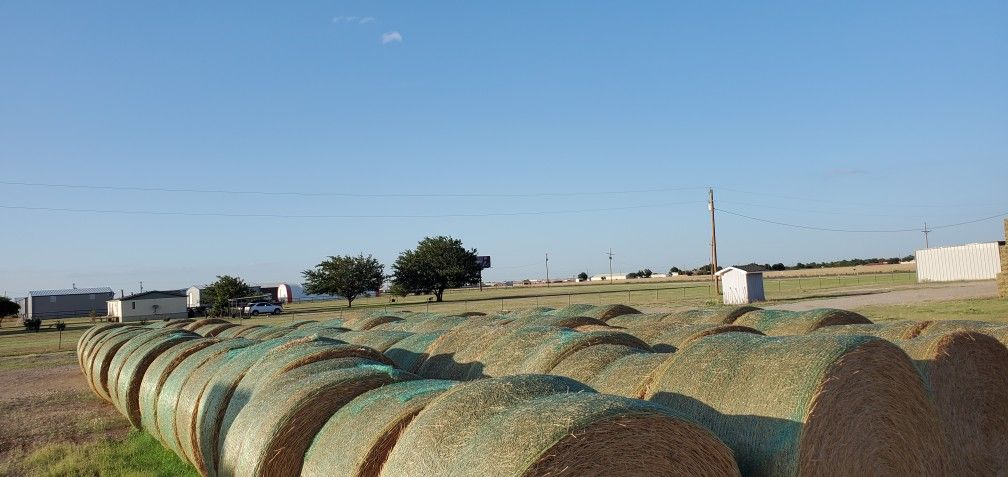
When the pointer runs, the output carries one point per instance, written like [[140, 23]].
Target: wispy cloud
[[366, 20], [391, 37], [347, 19]]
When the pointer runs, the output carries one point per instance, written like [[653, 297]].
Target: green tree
[[346, 276], [225, 288], [436, 264], [8, 307], [583, 276]]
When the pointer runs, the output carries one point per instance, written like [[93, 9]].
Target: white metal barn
[[741, 285], [975, 261]]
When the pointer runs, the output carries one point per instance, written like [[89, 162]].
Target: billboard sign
[[483, 261]]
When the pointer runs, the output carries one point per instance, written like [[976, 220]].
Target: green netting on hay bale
[[365, 324], [589, 434], [576, 309], [529, 312], [376, 419], [632, 321], [156, 376], [451, 421], [179, 323], [563, 321], [564, 343], [608, 312], [682, 335], [649, 327], [262, 332], [629, 376], [125, 351], [782, 322], [401, 325], [443, 355], [104, 354], [212, 330], [203, 322], [239, 331], [133, 370], [584, 364], [890, 330], [380, 341], [808, 404], [437, 324], [411, 352], [948, 326], [231, 390], [85, 340], [272, 433], [93, 345], [166, 401], [302, 323], [506, 355], [321, 332], [475, 353], [718, 315], [966, 373]]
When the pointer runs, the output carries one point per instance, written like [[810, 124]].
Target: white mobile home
[[149, 306]]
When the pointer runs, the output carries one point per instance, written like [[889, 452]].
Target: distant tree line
[[852, 262]]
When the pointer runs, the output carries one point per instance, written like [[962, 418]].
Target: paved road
[[953, 291]]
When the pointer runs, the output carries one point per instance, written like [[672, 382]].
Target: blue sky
[[848, 115]]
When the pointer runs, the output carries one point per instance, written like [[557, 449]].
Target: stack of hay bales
[[782, 322]]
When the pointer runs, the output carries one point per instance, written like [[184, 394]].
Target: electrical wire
[[879, 231]]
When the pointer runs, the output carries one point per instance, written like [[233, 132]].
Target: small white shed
[[741, 285]]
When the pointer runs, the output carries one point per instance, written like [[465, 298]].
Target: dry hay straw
[[205, 321], [367, 323], [564, 343], [380, 341], [126, 351], [440, 323], [507, 353], [212, 330], [608, 312], [890, 330], [266, 333], [583, 365], [679, 336], [783, 322], [302, 323], [230, 391], [94, 341], [89, 336], [529, 312], [157, 374], [239, 331], [719, 315], [448, 423], [444, 358], [576, 309], [630, 375], [103, 355], [178, 323], [809, 404], [967, 375], [562, 321], [166, 401], [411, 352], [639, 320], [272, 433], [128, 385], [357, 439], [948, 326]]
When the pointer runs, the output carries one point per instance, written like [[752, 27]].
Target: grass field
[[986, 309]]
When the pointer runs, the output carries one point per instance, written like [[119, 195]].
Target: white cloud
[[366, 20], [390, 37], [353, 19]]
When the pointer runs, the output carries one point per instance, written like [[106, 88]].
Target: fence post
[[628, 297]]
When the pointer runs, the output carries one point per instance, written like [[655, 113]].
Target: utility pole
[[713, 233], [610, 264], [141, 286], [926, 231], [547, 270]]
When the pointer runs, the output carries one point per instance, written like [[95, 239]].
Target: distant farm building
[[608, 277], [742, 285], [44, 304], [149, 306], [975, 261]]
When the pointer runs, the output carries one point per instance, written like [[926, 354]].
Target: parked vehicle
[[261, 307]]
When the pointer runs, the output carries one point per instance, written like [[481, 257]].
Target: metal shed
[[67, 303], [975, 261], [742, 284]]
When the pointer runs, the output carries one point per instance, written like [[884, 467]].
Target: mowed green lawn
[[983, 309]]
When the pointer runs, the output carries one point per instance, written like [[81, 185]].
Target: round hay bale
[[411, 352], [367, 323], [442, 361], [583, 365], [337, 323], [636, 321], [235, 384], [529, 312], [377, 418], [178, 324], [938, 327], [719, 315], [967, 375], [682, 335], [272, 433], [156, 375], [561, 345], [401, 325], [890, 330], [302, 324], [166, 402], [380, 341], [103, 356], [587, 328], [94, 343], [808, 405], [118, 363], [503, 357], [85, 340], [203, 322], [212, 330], [260, 332], [437, 324], [450, 422], [570, 322], [608, 312], [133, 370], [782, 322], [237, 331], [475, 352], [576, 309], [630, 375], [589, 434]]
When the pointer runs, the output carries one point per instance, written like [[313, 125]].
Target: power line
[[880, 231], [340, 216], [336, 194], [851, 204]]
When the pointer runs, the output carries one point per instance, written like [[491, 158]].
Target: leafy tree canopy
[[346, 276], [225, 288], [437, 263]]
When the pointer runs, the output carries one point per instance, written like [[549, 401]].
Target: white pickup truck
[[261, 307]]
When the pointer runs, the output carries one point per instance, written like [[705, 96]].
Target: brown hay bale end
[[203, 322], [103, 356], [680, 336], [380, 341], [608, 312], [718, 315], [938, 327], [93, 345], [589, 434], [629, 376], [118, 365], [88, 337], [283, 417], [411, 352], [177, 381], [377, 418], [133, 370], [211, 331], [583, 365], [156, 375], [178, 324], [808, 405], [450, 422], [890, 330], [367, 323], [570, 322], [566, 342], [967, 375], [782, 322]]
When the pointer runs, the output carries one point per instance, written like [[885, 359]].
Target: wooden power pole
[[713, 233], [547, 270]]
